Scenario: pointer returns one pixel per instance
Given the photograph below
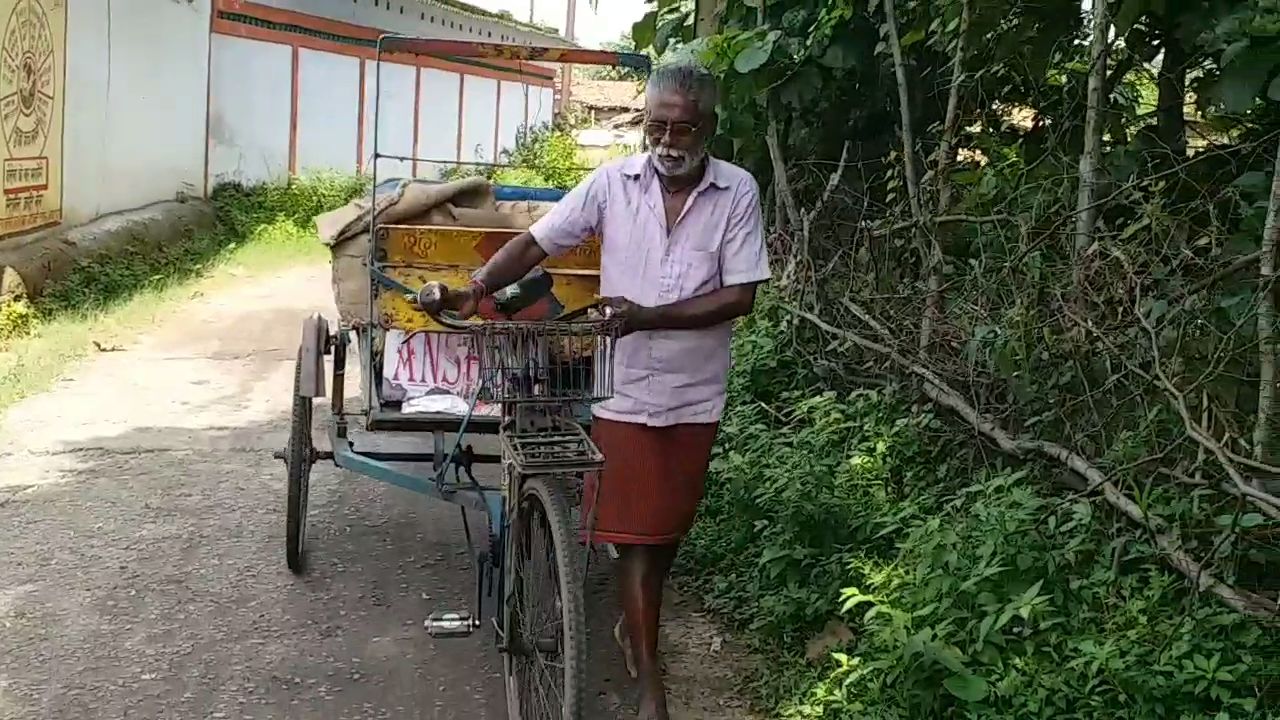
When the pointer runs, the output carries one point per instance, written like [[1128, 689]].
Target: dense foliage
[[968, 590], [1081, 282]]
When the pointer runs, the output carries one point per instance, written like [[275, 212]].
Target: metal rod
[[347, 458], [411, 457], [476, 163]]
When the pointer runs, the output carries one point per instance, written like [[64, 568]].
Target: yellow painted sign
[[416, 255], [33, 52]]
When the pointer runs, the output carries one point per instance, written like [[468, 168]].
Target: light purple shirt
[[664, 377]]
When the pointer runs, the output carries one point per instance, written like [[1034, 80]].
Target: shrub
[[545, 156], [17, 318], [971, 588]]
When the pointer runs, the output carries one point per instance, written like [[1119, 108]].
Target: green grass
[[109, 298]]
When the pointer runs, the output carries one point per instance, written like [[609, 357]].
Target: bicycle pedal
[[450, 623]]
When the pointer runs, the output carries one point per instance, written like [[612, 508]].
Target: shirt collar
[[638, 166]]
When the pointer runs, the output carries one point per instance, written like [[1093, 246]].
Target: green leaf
[[1158, 309], [644, 29], [911, 38], [1249, 520], [838, 56], [1135, 227], [969, 688], [1273, 90], [1242, 81], [754, 55], [1233, 50]]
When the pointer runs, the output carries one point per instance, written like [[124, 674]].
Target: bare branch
[[951, 122], [780, 173], [832, 183]]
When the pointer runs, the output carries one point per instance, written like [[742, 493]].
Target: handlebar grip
[[442, 318], [452, 323]]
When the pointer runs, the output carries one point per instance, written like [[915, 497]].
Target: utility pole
[[566, 72]]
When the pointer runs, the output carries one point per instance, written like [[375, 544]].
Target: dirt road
[[142, 573]]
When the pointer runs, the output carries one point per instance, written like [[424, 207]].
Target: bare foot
[[624, 642]]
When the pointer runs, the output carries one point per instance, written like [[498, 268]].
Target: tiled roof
[[608, 94]]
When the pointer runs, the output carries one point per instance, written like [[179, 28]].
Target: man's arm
[[714, 308], [512, 262]]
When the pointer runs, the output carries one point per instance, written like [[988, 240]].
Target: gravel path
[[143, 576]]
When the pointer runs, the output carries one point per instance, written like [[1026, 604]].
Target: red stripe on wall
[[360, 124], [293, 117], [497, 120], [208, 105], [462, 81], [417, 107]]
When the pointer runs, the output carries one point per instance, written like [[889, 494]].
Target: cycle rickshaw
[[530, 382]]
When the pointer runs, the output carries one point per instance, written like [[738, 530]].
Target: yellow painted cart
[[527, 372]]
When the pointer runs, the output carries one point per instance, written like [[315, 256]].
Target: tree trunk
[[1091, 156], [1171, 122], [1266, 323], [925, 239]]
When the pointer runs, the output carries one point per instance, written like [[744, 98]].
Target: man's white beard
[[670, 162]]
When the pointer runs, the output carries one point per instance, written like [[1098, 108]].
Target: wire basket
[[546, 362]]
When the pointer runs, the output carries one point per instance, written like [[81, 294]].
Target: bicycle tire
[[299, 457], [543, 501]]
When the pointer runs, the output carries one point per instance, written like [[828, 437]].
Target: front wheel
[[546, 616]]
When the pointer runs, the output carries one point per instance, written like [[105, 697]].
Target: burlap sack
[[399, 200]]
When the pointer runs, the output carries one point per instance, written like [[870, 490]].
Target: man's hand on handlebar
[[634, 317], [435, 297]]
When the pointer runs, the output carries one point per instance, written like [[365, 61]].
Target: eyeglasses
[[679, 131]]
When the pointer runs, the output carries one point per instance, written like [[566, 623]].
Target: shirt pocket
[[699, 272]]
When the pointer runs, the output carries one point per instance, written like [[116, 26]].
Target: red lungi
[[652, 481]]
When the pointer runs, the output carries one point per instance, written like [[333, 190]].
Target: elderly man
[[682, 252]]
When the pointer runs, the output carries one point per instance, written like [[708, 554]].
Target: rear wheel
[[546, 624], [299, 456]]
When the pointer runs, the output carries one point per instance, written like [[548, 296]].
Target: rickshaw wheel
[[300, 455], [545, 662]]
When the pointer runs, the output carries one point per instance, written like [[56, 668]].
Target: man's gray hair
[[687, 78]]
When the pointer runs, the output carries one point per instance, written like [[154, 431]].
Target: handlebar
[[448, 319], [453, 323]]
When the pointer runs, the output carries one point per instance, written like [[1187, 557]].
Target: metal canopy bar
[[505, 51]]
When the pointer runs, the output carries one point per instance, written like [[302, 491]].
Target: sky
[[614, 17]]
